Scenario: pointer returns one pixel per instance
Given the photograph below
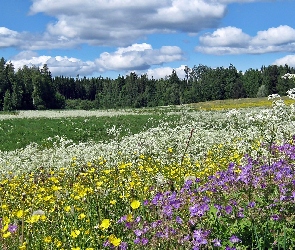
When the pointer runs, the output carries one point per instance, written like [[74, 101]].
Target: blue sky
[[112, 37]]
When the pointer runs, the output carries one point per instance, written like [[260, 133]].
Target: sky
[[109, 38]]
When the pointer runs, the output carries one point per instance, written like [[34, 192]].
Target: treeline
[[35, 88]]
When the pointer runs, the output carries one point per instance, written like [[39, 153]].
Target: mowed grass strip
[[18, 133]]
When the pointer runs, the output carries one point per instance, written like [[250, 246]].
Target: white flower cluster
[[291, 93], [289, 76], [238, 128], [64, 113]]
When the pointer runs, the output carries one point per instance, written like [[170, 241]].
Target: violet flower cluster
[[244, 206]]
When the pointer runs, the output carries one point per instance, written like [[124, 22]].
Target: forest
[[34, 88]]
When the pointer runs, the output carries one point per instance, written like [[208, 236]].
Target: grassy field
[[18, 133], [215, 176]]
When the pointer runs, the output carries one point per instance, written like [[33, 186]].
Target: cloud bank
[[121, 24], [137, 57], [232, 40]]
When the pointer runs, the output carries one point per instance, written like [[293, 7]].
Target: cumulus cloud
[[136, 57], [226, 37], [232, 40], [8, 38], [67, 66], [119, 23], [162, 72], [116, 22], [289, 60]]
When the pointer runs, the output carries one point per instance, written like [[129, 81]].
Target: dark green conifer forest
[[35, 88]]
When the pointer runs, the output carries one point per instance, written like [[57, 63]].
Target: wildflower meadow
[[187, 179]]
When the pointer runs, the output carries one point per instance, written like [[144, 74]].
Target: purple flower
[[122, 219], [240, 214], [128, 225], [199, 237], [138, 218], [12, 228], [137, 240], [106, 243], [144, 241], [167, 210], [216, 242], [123, 245], [138, 232], [228, 209], [158, 197], [275, 217], [198, 210], [234, 239], [251, 204], [206, 199], [186, 238], [178, 220], [156, 223]]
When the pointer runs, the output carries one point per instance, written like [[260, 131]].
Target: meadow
[[216, 175]]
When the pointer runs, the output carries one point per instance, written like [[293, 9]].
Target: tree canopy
[[36, 88]]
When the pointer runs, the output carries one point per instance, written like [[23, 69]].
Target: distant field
[[237, 103], [20, 128]]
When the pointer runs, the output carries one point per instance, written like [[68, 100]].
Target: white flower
[[160, 179], [39, 212], [273, 96]]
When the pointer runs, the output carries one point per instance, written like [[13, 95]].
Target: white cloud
[[57, 65], [119, 23], [138, 57], [274, 36], [132, 58], [232, 40], [225, 37], [162, 72], [8, 37], [289, 60]]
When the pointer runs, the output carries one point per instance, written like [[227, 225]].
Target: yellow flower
[[4, 229], [4, 206], [6, 235], [34, 218], [75, 248], [56, 188], [67, 208], [19, 214], [47, 239], [113, 202], [114, 240], [23, 246], [75, 233], [43, 217], [89, 248], [57, 243], [135, 204], [81, 216], [105, 224]]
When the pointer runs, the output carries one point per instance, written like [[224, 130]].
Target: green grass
[[17, 133]]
